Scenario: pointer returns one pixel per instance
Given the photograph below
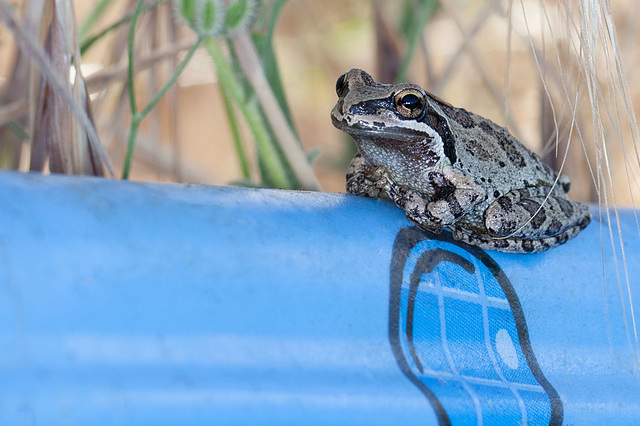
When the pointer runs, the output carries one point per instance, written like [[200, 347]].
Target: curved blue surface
[[132, 303]]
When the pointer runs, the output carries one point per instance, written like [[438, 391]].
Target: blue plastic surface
[[133, 303]]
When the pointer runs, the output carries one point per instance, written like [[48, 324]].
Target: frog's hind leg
[[517, 245], [528, 214]]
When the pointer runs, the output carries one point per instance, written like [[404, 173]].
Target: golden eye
[[409, 103]]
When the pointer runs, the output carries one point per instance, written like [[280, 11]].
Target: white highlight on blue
[[505, 348]]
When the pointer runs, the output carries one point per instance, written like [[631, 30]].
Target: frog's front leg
[[374, 181], [366, 180], [448, 195], [455, 194]]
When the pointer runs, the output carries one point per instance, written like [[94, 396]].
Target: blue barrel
[[137, 303]]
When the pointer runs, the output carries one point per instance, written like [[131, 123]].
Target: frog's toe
[[564, 182], [529, 213]]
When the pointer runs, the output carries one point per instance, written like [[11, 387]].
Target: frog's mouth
[[359, 128]]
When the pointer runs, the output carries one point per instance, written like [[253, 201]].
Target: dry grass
[[527, 64]]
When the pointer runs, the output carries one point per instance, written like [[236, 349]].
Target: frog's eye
[[341, 85], [409, 103]]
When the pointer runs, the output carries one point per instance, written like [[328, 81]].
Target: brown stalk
[[156, 45], [55, 99], [250, 62]]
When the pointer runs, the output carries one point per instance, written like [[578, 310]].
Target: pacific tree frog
[[446, 167]]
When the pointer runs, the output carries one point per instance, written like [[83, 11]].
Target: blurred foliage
[[264, 115]]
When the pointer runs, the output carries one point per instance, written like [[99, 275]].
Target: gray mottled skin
[[447, 167]]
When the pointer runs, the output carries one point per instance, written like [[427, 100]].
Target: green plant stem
[[93, 17], [171, 80], [427, 9], [263, 40], [131, 55], [298, 168], [235, 132], [271, 160], [137, 117], [86, 44], [135, 120]]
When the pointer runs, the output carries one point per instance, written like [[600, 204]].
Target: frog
[[451, 169]]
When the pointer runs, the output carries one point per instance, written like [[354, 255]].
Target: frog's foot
[[374, 181], [564, 183], [527, 221], [366, 180], [415, 206]]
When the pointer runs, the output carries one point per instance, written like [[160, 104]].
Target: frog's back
[[490, 153]]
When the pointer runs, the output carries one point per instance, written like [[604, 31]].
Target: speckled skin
[[447, 167]]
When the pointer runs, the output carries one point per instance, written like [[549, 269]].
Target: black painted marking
[[404, 242], [425, 264]]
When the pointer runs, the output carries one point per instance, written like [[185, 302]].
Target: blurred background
[[558, 73]]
